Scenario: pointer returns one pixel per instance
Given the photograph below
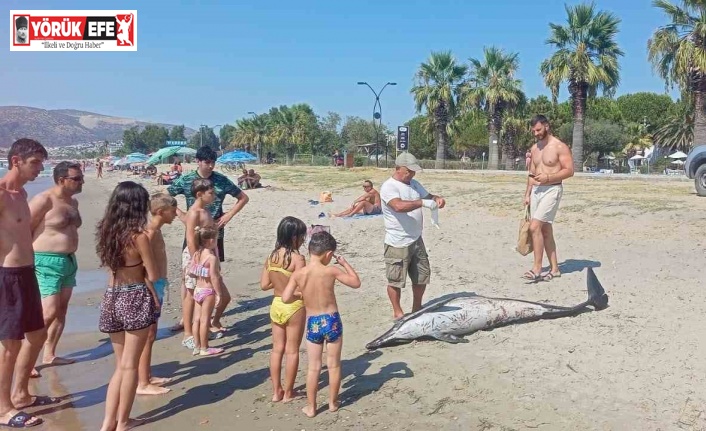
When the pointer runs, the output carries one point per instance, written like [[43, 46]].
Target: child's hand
[[340, 260]]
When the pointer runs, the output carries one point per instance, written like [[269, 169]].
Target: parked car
[[695, 168]]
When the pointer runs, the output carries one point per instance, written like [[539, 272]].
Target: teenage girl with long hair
[[129, 304]]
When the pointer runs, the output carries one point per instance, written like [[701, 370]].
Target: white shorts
[[544, 202], [189, 281]]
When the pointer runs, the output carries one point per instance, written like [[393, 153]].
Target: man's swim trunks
[[544, 202], [375, 210], [55, 271], [20, 302]]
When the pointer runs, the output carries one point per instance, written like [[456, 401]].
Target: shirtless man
[[20, 301], [551, 163], [368, 204], [55, 222]]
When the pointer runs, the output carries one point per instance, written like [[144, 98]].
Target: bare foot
[[216, 327], [57, 360], [334, 406], [131, 423], [34, 374], [309, 411], [397, 316], [278, 395], [289, 397], [151, 390], [160, 380]]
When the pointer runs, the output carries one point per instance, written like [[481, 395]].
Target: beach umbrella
[[678, 162], [186, 151], [162, 154], [236, 157], [678, 155], [637, 157], [131, 158]]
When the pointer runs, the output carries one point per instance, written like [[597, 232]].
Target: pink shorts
[[201, 294]]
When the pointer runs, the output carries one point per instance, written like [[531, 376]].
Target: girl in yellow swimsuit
[[287, 319]]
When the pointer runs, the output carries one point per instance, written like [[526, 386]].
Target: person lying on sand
[[367, 204]]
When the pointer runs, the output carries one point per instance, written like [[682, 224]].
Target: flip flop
[[531, 276], [211, 351], [41, 400], [20, 421], [215, 335], [548, 276]]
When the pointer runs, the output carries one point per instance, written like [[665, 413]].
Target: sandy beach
[[636, 365]]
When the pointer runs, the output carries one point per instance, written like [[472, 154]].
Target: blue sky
[[209, 63]]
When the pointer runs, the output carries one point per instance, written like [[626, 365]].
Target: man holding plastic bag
[[405, 254]]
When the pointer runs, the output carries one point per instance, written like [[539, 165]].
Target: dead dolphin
[[450, 319]]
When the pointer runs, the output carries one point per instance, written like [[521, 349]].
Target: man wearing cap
[[405, 254], [21, 25]]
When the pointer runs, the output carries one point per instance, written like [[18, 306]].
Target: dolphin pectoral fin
[[450, 338]]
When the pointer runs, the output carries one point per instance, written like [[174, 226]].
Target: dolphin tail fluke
[[596, 294]]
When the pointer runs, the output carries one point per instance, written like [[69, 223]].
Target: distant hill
[[62, 127]]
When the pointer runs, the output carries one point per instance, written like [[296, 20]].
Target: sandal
[[215, 335], [548, 276], [23, 420], [189, 343], [41, 401], [531, 276], [211, 351]]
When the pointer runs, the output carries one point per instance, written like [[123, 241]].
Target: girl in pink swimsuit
[[205, 269]]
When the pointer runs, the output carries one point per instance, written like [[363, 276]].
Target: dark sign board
[[402, 138]]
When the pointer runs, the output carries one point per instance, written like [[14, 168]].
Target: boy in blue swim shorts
[[315, 284], [163, 211]]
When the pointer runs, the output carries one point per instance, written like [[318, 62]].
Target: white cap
[[407, 160]]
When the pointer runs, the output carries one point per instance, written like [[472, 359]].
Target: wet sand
[[636, 365]]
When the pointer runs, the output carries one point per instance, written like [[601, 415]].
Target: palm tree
[[437, 89], [586, 57], [245, 132], [515, 135], [493, 88], [678, 53], [678, 132], [638, 139]]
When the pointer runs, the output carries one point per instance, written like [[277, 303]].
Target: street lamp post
[[377, 115], [220, 147], [205, 126], [259, 138], [201, 134]]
